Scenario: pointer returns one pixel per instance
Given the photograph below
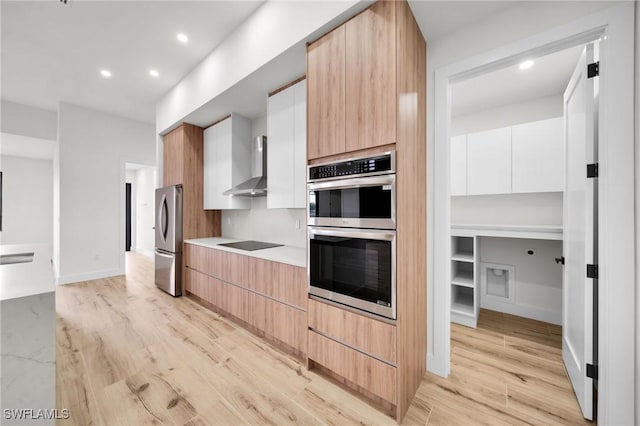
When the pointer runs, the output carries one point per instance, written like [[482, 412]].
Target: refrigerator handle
[[168, 256], [162, 217]]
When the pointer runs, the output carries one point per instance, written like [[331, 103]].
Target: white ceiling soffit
[[24, 146], [440, 18], [548, 76], [53, 52]]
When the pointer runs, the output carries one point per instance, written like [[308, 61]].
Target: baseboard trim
[[96, 275], [145, 252], [532, 312]]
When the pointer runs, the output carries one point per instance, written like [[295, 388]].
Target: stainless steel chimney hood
[[257, 185]]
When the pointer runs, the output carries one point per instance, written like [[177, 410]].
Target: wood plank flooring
[[128, 354]]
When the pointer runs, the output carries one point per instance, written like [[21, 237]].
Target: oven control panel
[[380, 164]]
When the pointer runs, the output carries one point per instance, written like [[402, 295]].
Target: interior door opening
[[522, 214], [138, 211]]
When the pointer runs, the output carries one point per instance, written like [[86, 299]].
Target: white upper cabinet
[[227, 160], [538, 156], [286, 149], [489, 162], [459, 165]]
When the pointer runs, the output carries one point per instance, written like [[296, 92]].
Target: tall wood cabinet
[[326, 87], [352, 75], [182, 164], [366, 93]]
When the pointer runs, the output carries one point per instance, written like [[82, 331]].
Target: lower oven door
[[355, 267]]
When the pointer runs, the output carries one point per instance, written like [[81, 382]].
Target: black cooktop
[[250, 245]]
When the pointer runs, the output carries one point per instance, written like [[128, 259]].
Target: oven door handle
[[354, 182], [370, 234]]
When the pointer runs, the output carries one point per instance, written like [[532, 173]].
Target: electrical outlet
[[96, 257], [297, 223], [228, 221]]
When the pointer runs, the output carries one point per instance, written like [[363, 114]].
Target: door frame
[[616, 222]]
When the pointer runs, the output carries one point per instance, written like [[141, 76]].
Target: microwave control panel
[[381, 164]]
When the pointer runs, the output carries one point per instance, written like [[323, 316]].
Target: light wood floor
[[128, 354]]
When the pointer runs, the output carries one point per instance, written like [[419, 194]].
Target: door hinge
[[593, 70], [592, 170], [592, 371], [592, 271]]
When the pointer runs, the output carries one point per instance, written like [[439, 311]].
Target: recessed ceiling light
[[105, 73], [525, 65], [182, 37], [154, 73]]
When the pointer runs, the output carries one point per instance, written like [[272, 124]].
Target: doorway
[[615, 202], [127, 214], [508, 173]]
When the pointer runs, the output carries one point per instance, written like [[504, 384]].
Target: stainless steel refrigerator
[[169, 239]]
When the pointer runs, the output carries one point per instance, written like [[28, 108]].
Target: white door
[[579, 237]]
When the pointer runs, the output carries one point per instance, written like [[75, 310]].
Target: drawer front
[[366, 334], [369, 373], [278, 320], [280, 281]]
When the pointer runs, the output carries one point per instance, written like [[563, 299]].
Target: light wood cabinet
[[489, 162], [369, 373], [278, 320], [287, 153], [537, 151], [370, 109], [182, 164], [227, 162], [270, 296], [459, 165], [369, 335], [326, 94], [384, 60]]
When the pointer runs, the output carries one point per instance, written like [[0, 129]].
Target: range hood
[[257, 185]]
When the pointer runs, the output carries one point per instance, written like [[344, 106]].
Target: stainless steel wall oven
[[352, 237]]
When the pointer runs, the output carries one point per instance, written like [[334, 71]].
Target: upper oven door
[[367, 202]]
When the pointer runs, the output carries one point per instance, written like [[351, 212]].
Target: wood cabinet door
[[538, 156], [326, 95], [173, 157], [371, 77]]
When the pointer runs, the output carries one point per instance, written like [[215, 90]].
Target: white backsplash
[[282, 226]]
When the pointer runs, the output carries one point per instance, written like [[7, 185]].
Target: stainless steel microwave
[[355, 267], [356, 193]]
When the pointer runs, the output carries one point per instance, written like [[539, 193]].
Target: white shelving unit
[[465, 303]]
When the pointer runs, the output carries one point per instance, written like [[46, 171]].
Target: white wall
[[19, 119], [144, 202], [27, 200], [93, 149], [543, 208], [537, 278], [508, 209], [508, 115], [283, 226], [520, 21], [260, 39]]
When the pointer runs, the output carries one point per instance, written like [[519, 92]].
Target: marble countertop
[[291, 255], [26, 279]]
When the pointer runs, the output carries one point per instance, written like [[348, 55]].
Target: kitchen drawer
[[196, 257], [375, 376], [280, 281], [283, 322], [371, 336]]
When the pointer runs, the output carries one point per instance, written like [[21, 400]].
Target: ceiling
[[548, 76], [53, 52]]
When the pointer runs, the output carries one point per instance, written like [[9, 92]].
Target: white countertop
[[26, 279], [545, 232], [291, 255]]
